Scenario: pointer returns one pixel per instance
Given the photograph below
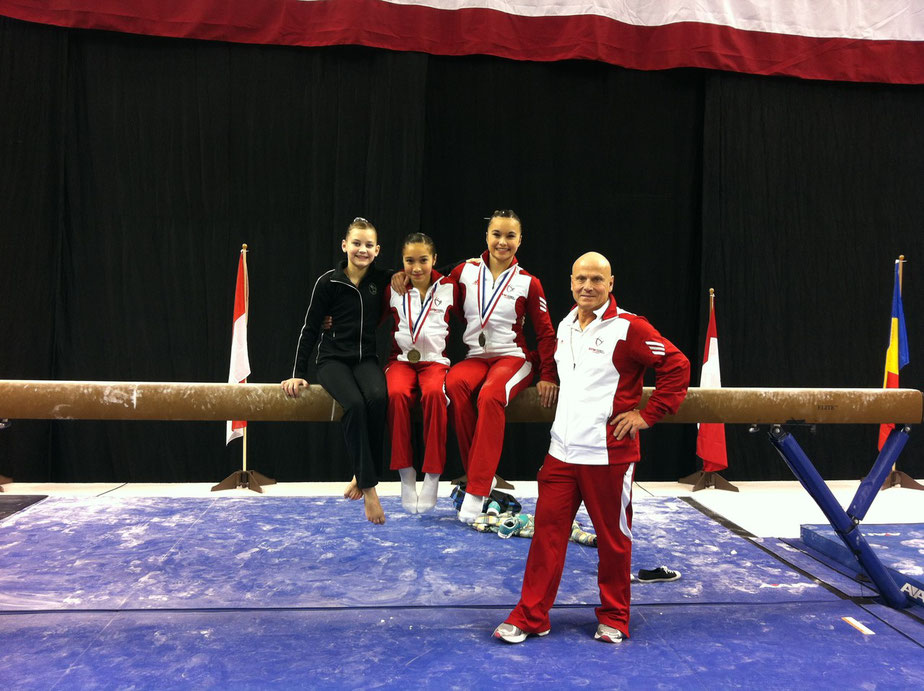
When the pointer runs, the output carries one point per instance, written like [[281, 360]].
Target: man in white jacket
[[602, 353]]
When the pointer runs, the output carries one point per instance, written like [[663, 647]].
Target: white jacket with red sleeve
[[601, 370], [437, 305], [508, 302]]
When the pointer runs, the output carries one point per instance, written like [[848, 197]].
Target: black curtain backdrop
[[133, 168]]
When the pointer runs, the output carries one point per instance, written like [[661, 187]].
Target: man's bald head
[[591, 281], [592, 260]]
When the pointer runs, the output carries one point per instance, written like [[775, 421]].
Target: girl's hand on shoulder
[[548, 393], [399, 282], [293, 387]]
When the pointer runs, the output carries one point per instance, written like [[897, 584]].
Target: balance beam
[[95, 400]]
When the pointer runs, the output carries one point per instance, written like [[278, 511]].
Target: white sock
[[427, 499], [471, 508], [408, 489]]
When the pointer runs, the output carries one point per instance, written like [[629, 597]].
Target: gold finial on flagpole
[[244, 247], [901, 260], [711, 298]]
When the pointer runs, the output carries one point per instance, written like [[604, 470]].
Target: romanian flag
[[240, 361], [710, 439], [897, 354]]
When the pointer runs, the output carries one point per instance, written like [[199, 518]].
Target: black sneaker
[[661, 573]]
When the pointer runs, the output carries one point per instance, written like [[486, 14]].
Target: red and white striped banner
[[846, 40]]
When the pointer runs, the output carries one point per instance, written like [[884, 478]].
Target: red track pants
[[481, 434], [607, 494], [406, 383]]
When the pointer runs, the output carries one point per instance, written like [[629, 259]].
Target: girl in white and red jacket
[[497, 297], [417, 369]]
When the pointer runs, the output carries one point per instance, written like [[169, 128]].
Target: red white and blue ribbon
[[415, 327], [486, 309]]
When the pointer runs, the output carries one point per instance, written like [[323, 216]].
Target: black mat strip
[[11, 504]]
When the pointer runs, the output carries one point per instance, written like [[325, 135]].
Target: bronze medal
[[482, 341], [413, 355]]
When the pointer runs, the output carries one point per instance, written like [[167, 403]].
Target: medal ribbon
[[416, 327], [495, 298]]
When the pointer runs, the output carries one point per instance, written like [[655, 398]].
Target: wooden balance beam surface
[[94, 400]]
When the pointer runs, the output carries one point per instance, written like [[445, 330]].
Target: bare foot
[[374, 512], [352, 491]]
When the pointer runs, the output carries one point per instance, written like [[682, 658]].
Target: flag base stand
[[500, 484], [248, 479], [702, 479], [899, 479]]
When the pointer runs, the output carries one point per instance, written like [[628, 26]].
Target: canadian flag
[[710, 440], [240, 361]]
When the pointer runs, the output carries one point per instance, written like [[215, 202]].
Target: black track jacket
[[355, 311]]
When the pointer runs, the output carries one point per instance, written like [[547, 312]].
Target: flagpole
[[702, 479], [246, 320], [244, 452], [898, 478], [249, 479]]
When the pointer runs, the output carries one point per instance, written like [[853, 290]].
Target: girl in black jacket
[[347, 366]]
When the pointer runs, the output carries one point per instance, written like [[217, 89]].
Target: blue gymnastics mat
[[257, 592], [154, 553], [766, 646], [900, 547]]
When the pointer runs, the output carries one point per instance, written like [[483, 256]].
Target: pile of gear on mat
[[501, 514]]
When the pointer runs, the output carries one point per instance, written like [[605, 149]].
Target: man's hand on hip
[[629, 422]]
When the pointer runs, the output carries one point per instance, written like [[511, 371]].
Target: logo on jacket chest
[[597, 346]]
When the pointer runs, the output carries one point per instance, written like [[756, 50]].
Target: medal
[[415, 327], [486, 305]]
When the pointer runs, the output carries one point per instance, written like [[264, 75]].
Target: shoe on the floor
[[608, 634], [513, 634], [661, 573]]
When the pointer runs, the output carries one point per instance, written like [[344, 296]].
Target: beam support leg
[[847, 528], [871, 485]]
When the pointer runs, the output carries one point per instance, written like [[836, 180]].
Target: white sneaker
[[512, 634], [608, 634]]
